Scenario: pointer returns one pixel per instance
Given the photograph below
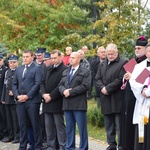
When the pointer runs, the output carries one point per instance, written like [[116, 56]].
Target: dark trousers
[[42, 118], [98, 100], [3, 121], [29, 111], [55, 131], [112, 125], [12, 121], [31, 138], [73, 117]]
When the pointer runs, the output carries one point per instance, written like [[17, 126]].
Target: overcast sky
[[148, 4]]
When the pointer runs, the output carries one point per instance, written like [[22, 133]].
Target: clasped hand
[[22, 98], [104, 91], [67, 92], [46, 97]]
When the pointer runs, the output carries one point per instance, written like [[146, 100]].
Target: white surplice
[[142, 103]]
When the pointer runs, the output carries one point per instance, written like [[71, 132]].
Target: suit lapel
[[28, 70], [76, 73], [49, 70]]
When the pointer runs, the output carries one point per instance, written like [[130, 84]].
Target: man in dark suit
[[101, 54], [3, 125], [9, 102], [26, 86], [75, 83], [52, 106], [109, 80], [38, 59]]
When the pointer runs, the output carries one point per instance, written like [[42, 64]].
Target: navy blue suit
[[28, 111]]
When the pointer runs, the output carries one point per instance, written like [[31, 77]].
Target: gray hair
[[112, 46], [99, 49]]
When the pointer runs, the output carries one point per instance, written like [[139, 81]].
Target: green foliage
[[56, 24], [120, 24], [37, 23], [95, 117], [147, 27], [3, 49]]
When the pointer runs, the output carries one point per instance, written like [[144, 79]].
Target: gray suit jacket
[[79, 85]]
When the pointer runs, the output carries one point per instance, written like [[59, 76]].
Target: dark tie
[[25, 71], [148, 63], [71, 74]]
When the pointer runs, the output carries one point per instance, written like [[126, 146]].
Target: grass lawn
[[96, 133]]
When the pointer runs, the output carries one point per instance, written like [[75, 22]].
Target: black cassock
[[127, 128]]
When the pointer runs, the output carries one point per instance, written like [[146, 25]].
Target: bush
[[95, 117]]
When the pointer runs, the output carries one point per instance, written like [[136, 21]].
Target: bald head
[[74, 59], [81, 53]]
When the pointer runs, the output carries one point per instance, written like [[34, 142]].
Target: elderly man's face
[[139, 51], [102, 53], [111, 54]]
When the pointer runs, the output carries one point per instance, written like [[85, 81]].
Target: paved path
[[93, 145]]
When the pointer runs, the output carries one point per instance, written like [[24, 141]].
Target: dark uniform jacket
[[8, 87], [110, 76], [52, 77], [79, 85], [2, 76]]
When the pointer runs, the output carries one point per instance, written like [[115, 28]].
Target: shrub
[[95, 117]]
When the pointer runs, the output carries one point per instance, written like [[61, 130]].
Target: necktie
[[24, 71], [71, 74]]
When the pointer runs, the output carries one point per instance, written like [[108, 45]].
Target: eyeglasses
[[137, 48]]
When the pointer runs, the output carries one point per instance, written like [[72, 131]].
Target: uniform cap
[[13, 58], [47, 56], [1, 56], [40, 50]]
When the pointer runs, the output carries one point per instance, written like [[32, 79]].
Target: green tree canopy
[[56, 24]]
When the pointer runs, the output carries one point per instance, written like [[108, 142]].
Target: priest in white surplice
[[141, 110]]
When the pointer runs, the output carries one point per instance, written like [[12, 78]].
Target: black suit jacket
[[94, 67], [30, 84], [51, 79], [110, 76]]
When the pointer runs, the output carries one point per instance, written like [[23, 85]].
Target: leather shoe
[[6, 139], [111, 148], [15, 141]]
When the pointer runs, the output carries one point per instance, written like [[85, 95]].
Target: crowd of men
[[44, 98]]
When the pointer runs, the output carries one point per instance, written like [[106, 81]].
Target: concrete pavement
[[93, 145]]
